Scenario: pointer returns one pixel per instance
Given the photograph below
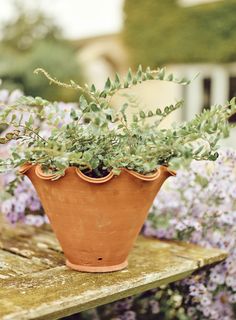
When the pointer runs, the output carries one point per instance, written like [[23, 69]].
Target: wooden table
[[35, 283]]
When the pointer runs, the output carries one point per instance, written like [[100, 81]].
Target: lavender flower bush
[[199, 206], [19, 200], [7, 97]]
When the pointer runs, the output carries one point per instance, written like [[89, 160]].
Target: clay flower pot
[[96, 220]]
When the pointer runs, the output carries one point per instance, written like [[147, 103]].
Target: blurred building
[[215, 83], [101, 57]]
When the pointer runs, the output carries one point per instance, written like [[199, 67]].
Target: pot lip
[[149, 177], [25, 167], [94, 180], [45, 176], [167, 169]]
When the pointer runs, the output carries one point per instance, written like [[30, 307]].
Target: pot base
[[84, 268]]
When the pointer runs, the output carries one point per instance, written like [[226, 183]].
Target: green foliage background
[[30, 41], [158, 32]]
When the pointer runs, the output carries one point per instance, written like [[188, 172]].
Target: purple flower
[[129, 315], [35, 205], [231, 281], [7, 206], [34, 220], [200, 203], [155, 307], [24, 200], [206, 301]]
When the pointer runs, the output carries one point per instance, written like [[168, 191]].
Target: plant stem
[[64, 85], [31, 130]]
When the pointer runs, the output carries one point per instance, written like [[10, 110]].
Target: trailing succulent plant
[[97, 138]]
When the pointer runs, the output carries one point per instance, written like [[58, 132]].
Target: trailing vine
[[98, 139]]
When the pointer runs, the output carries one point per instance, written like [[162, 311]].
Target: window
[[206, 93], [232, 93]]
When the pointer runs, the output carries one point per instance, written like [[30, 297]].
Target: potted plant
[[97, 173]]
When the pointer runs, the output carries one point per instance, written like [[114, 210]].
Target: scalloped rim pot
[[96, 220]]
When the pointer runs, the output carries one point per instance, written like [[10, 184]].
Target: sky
[[78, 18]]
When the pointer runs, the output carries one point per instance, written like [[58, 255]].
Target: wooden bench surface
[[35, 283]]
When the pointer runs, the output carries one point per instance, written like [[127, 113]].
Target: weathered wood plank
[[202, 255], [33, 243], [32, 248], [12, 265], [58, 292]]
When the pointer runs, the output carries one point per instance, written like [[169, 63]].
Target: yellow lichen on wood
[[44, 288]]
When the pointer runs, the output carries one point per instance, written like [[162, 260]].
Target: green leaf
[[161, 74], [108, 85], [184, 81], [124, 107], [126, 84], [144, 77], [29, 122], [3, 140], [117, 81], [13, 117], [10, 136], [94, 107], [103, 94], [116, 171], [148, 74], [142, 115], [199, 149], [97, 121], [135, 81], [167, 109], [170, 77], [87, 156], [214, 156], [83, 104], [73, 115], [15, 156], [129, 77], [93, 88], [139, 73]]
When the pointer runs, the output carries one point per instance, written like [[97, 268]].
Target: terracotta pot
[[96, 220]]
